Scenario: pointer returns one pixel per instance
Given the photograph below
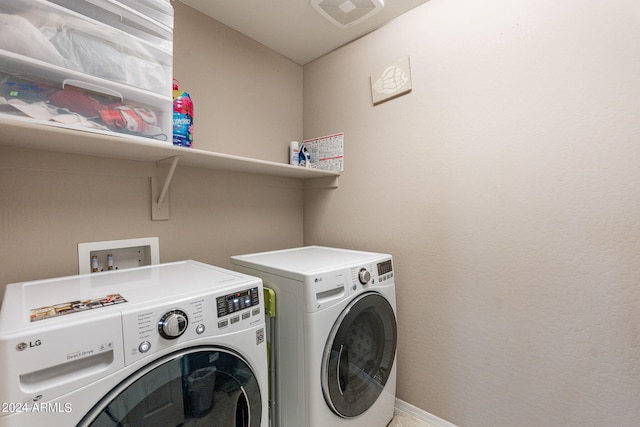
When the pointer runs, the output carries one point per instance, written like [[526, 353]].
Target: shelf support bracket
[[323, 183], [160, 196]]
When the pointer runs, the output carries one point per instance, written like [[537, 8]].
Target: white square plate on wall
[[118, 254], [391, 81]]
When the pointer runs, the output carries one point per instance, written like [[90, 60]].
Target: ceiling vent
[[345, 13]]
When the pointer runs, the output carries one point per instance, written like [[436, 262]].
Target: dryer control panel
[[371, 274], [385, 267], [385, 270], [325, 289]]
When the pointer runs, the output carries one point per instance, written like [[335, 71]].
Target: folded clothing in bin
[[128, 63], [19, 35], [101, 51], [78, 101], [138, 120], [118, 117], [41, 110], [74, 106], [101, 64]]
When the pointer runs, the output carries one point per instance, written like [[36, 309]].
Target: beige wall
[[248, 99], [50, 202], [506, 185]]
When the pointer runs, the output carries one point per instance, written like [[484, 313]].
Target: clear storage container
[[100, 64]]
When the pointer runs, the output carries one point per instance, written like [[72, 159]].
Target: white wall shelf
[[25, 133]]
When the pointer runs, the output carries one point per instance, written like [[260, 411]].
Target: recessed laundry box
[[104, 65]]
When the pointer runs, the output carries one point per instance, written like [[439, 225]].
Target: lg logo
[[23, 345]]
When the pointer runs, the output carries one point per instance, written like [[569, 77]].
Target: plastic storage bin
[[103, 65]]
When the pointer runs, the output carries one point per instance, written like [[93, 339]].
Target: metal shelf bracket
[[323, 183], [160, 196]]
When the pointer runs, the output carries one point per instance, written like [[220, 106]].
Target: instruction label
[[71, 307]]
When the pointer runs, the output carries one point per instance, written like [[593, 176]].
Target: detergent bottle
[[182, 117]]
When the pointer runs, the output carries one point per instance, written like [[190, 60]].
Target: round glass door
[[193, 387], [359, 355]]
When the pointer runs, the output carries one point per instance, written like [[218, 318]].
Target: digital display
[[384, 268], [237, 301]]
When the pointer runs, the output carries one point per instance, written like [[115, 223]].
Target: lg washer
[[334, 335], [177, 344]]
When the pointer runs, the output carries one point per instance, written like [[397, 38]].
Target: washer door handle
[[343, 369]]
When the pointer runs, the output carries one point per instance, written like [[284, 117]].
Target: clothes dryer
[[177, 344], [334, 335]]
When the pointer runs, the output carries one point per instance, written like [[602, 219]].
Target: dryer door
[[359, 355], [194, 386]]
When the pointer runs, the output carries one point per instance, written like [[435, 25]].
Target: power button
[[144, 346]]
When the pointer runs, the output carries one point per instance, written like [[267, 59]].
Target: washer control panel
[[239, 306], [157, 328], [173, 324], [237, 301]]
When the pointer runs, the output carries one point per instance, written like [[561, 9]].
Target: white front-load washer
[[334, 335], [176, 344]]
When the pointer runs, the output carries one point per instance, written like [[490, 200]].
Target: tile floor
[[400, 419]]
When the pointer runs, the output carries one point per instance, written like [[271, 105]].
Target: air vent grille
[[345, 13]]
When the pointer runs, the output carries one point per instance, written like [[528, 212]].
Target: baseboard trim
[[418, 413]]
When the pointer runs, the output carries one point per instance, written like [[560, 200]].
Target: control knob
[[364, 276], [173, 324]]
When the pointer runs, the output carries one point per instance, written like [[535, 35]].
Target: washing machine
[[176, 344], [333, 337]]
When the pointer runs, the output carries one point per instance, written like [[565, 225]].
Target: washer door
[[359, 355], [194, 386]]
